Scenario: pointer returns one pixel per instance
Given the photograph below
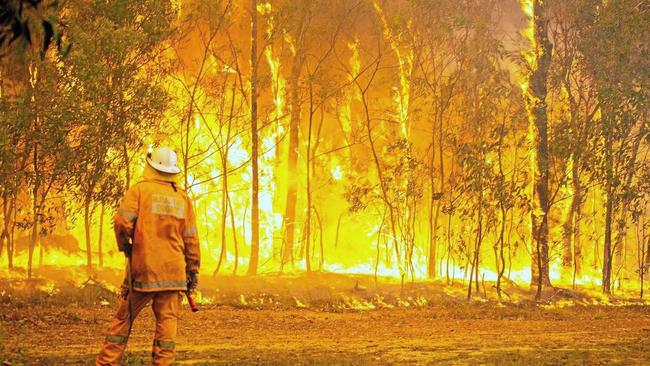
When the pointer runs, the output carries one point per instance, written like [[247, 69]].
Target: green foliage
[[616, 53], [119, 99], [21, 20]]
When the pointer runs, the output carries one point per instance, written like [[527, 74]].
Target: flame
[[405, 62], [337, 172], [271, 221], [278, 84], [264, 8], [528, 8], [357, 250], [350, 93]]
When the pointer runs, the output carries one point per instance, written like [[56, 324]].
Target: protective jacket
[[160, 219]]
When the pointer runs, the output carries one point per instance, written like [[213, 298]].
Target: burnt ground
[[282, 322]]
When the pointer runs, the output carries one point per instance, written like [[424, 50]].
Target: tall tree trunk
[[12, 233], [33, 241], [572, 253], [224, 211], [431, 265], [292, 171], [500, 254], [449, 245], [127, 167], [234, 235], [41, 252], [607, 248], [6, 215], [3, 239], [577, 216], [629, 166], [536, 104], [474, 262], [609, 213], [255, 210], [35, 211], [321, 242], [100, 250], [294, 136], [567, 227], [87, 218], [308, 174], [382, 185]]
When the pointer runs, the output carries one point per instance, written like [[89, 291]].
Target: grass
[[306, 308], [13, 357]]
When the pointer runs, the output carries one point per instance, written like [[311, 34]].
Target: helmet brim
[[162, 168]]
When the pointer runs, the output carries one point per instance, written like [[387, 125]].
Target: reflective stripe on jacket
[[160, 219]]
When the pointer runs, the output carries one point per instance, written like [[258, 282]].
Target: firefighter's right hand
[[128, 249], [192, 280]]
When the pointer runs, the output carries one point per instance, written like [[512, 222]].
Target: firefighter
[[155, 227]]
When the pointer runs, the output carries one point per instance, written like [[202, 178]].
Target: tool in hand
[[191, 301], [192, 281]]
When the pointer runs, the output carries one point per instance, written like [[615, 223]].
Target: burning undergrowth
[[323, 292], [58, 286]]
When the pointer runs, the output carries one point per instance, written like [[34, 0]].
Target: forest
[[484, 147]]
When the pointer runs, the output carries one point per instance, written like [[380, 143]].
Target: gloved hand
[[192, 280], [124, 292], [127, 250]]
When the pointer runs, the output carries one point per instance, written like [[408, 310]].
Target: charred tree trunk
[[536, 103], [255, 209]]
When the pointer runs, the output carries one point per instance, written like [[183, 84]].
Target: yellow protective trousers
[[166, 308]]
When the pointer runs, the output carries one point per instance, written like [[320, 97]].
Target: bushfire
[[415, 149]]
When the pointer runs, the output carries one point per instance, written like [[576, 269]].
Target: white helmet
[[164, 160]]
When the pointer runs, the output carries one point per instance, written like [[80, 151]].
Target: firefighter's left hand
[[124, 292], [192, 280]]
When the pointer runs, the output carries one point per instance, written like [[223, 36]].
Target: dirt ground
[[367, 329]]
